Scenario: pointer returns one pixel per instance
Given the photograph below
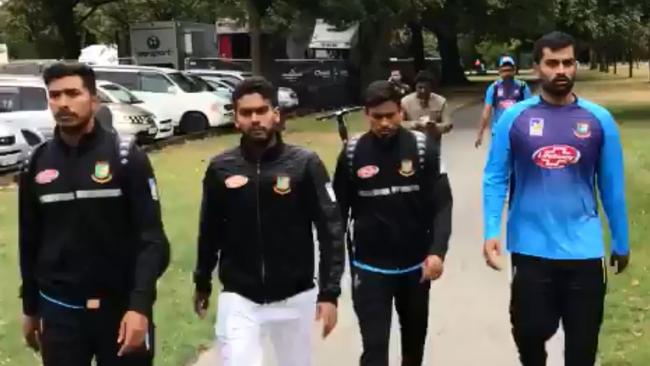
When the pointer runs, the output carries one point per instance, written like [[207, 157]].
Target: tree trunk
[[417, 45], [451, 72], [444, 25], [254, 26], [374, 42], [62, 14], [603, 63], [593, 60], [630, 59], [615, 65]]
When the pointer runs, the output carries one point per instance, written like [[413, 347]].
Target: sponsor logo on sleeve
[[330, 191], [154, 189]]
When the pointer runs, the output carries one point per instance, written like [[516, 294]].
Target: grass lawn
[[181, 335]]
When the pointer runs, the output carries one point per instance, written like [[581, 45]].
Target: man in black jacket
[[92, 244], [260, 200], [390, 182]]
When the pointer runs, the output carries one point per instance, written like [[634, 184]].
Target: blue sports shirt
[[503, 94], [555, 157]]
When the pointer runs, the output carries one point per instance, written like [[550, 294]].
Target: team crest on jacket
[[406, 168], [367, 171], [102, 173], [282, 185], [582, 130]]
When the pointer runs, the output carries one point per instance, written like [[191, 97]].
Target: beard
[[259, 135], [560, 86], [70, 122]]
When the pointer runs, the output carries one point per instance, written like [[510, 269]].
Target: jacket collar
[[270, 154], [86, 142]]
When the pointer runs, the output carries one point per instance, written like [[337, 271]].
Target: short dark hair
[[252, 85], [381, 91], [63, 69], [424, 76], [555, 41]]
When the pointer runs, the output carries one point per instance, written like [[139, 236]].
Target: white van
[[24, 104], [191, 108]]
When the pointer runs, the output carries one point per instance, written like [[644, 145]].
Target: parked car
[[118, 94], [24, 104], [224, 97], [232, 77], [192, 109], [127, 119], [223, 90], [222, 87], [16, 146], [287, 97]]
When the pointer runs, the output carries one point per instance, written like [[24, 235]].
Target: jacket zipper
[[259, 231]]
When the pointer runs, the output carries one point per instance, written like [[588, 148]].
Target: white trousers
[[242, 325]]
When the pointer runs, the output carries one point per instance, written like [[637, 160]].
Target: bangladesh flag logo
[[102, 173], [282, 185]]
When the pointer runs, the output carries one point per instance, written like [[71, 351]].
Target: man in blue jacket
[[501, 95], [557, 149]]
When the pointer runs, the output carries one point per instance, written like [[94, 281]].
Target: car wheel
[[193, 122]]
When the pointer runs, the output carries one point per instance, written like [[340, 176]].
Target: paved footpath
[[469, 323]]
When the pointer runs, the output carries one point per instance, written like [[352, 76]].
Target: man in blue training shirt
[[557, 148], [501, 95]]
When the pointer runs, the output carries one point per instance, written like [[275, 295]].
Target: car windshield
[[121, 94], [22, 99], [185, 83], [205, 86]]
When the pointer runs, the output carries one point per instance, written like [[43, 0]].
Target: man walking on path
[[396, 79], [92, 244], [557, 148], [501, 95], [260, 200], [391, 183], [425, 110]]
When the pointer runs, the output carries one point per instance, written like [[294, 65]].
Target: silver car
[[16, 146], [127, 119]]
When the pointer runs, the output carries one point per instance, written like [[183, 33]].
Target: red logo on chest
[[46, 176], [556, 156], [367, 171]]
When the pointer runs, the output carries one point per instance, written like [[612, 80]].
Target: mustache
[[561, 78], [64, 113]]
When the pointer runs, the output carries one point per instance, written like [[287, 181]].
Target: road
[[469, 322]]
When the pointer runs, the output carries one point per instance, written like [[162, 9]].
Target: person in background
[[501, 95], [425, 110], [397, 80]]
